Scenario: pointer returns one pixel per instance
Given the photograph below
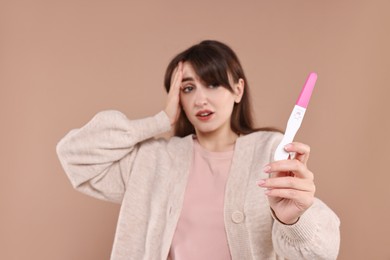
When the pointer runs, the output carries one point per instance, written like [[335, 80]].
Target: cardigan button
[[238, 217]]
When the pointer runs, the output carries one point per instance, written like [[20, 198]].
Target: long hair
[[213, 62]]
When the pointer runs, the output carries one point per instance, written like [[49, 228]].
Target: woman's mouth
[[204, 115]]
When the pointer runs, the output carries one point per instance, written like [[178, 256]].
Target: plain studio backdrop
[[63, 61]]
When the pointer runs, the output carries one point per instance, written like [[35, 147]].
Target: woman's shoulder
[[170, 144], [177, 142], [259, 144], [262, 142], [263, 136]]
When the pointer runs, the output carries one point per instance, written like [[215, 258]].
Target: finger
[[173, 101], [302, 198], [174, 73], [281, 174], [302, 151], [177, 77], [178, 80], [283, 167], [287, 183]]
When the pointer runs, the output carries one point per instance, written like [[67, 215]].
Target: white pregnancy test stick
[[296, 117]]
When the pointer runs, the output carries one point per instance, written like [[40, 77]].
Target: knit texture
[[119, 160]]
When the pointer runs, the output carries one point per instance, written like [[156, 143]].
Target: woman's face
[[208, 108]]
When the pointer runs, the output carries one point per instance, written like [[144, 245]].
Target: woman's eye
[[187, 89], [215, 85]]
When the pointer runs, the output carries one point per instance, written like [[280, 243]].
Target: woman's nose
[[200, 98]]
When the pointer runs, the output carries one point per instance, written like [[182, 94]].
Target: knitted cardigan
[[119, 160]]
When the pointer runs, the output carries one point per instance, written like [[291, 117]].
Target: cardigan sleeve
[[315, 236], [98, 157]]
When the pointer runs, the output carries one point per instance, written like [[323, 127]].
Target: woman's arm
[[316, 235], [304, 227], [98, 157]]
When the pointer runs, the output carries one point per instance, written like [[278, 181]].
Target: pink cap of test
[[307, 89]]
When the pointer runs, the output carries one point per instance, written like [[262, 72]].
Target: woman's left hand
[[290, 187]]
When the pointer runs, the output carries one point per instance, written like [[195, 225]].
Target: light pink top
[[200, 232]]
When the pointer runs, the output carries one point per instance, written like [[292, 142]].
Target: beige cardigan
[[117, 159]]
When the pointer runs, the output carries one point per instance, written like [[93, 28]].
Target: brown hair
[[213, 62]]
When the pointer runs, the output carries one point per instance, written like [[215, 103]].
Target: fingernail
[[267, 169], [287, 147], [261, 182]]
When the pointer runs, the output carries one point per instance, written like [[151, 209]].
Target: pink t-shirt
[[200, 232]]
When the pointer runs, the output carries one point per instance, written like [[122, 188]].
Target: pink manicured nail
[[287, 147], [267, 168], [261, 182]]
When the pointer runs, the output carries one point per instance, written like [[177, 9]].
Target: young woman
[[211, 191]]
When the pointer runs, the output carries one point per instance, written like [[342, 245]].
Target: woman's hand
[[290, 187], [172, 108]]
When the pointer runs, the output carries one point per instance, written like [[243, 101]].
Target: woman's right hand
[[172, 108]]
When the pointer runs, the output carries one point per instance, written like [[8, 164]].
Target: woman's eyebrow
[[187, 79]]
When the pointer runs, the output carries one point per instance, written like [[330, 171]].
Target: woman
[[211, 190]]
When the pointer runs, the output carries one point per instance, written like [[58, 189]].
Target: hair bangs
[[209, 68]]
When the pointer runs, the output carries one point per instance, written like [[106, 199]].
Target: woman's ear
[[239, 90]]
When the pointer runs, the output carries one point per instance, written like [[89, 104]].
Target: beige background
[[63, 61]]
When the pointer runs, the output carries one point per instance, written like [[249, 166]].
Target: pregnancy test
[[296, 117]]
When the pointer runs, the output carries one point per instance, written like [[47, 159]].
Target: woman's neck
[[217, 141]]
